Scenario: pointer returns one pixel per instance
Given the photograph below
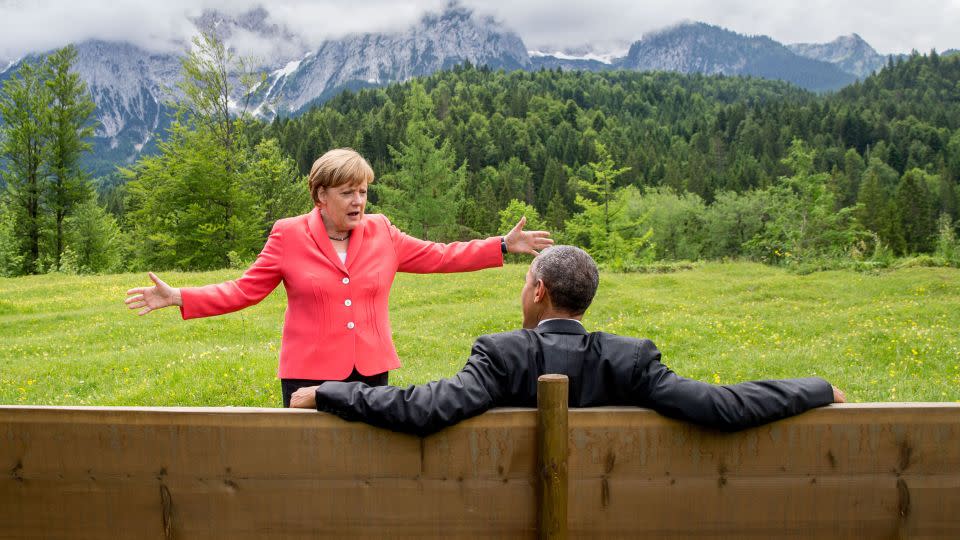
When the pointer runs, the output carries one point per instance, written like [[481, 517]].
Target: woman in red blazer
[[337, 265]]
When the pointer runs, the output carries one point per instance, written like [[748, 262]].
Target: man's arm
[[422, 409], [728, 407]]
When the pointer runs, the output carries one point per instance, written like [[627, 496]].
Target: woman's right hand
[[159, 296]]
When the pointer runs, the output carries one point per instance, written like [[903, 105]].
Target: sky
[[889, 26]]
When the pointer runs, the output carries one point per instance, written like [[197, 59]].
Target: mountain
[[703, 48], [130, 84], [567, 63], [268, 45], [850, 53], [438, 41], [584, 57]]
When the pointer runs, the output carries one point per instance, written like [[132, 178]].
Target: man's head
[[561, 282]]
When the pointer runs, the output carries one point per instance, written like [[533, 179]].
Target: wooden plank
[[243, 473], [838, 472], [850, 471]]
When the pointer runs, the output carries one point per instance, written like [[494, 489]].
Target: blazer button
[[345, 280], [350, 325], [347, 302]]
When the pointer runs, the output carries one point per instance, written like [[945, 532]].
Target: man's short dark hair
[[570, 275]]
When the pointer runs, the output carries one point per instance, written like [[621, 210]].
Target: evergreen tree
[[11, 258], [24, 135], [849, 185], [554, 184], [604, 227], [916, 219], [274, 179], [872, 199], [804, 221], [94, 239], [557, 213], [423, 195], [70, 128]]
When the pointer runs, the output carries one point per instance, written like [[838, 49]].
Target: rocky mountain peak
[[437, 41], [851, 53], [703, 48]]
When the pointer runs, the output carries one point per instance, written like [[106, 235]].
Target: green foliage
[[510, 216], [915, 218], [722, 139], [70, 112], [515, 210], [272, 177], [24, 108], [676, 221], [711, 163], [45, 125], [423, 195], [208, 194], [186, 209], [11, 259], [94, 240], [948, 248], [733, 220], [804, 223], [604, 227]]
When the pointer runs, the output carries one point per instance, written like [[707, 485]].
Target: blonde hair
[[338, 167]]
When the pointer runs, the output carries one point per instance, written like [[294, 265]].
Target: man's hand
[[304, 398], [147, 299], [531, 242], [838, 395]]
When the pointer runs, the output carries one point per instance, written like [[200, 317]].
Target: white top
[[343, 256], [559, 319]]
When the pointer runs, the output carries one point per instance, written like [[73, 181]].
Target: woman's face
[[343, 205]]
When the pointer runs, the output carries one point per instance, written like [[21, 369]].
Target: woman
[[337, 265]]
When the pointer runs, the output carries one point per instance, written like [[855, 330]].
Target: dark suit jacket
[[604, 369]]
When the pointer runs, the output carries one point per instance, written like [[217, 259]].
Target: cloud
[[40, 25], [890, 26]]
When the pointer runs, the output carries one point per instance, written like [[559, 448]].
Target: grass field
[[892, 336]]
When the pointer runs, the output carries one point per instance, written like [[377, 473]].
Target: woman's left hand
[[521, 241]]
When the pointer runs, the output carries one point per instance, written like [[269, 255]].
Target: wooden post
[[552, 455]]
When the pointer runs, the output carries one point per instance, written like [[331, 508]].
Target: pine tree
[[872, 199], [604, 227], [25, 121], [853, 167], [915, 216], [423, 195], [70, 129]]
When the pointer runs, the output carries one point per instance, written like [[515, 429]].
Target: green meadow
[[887, 336]]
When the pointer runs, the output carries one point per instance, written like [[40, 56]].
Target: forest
[[636, 167]]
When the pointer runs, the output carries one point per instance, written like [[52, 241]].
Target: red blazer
[[337, 315]]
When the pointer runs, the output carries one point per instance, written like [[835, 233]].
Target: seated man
[[604, 369]]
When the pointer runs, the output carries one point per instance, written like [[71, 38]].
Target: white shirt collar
[[560, 319]]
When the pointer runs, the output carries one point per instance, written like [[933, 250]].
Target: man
[[604, 369]]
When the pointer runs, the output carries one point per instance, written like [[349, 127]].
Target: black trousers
[[289, 386]]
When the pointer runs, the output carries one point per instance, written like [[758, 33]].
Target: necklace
[[339, 239]]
